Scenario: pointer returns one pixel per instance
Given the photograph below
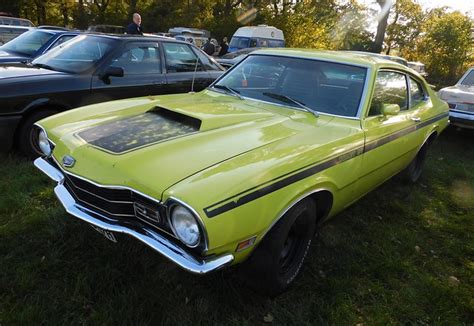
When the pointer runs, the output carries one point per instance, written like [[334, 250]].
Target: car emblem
[[68, 161]]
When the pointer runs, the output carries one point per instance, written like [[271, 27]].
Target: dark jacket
[[209, 48], [224, 49], [134, 29]]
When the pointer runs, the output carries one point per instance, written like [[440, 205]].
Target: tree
[[404, 28], [382, 25], [445, 46]]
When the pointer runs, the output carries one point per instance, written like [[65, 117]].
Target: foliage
[[439, 38], [445, 46]]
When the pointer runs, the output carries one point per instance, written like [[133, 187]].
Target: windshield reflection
[[77, 55], [314, 85]]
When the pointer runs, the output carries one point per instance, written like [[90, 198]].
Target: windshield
[[239, 42], [28, 43], [469, 79], [320, 86], [78, 55]]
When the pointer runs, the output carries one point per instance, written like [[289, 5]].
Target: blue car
[[32, 44]]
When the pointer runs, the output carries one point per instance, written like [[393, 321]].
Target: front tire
[[277, 261], [26, 139]]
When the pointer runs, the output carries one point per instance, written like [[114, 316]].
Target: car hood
[[7, 57], [150, 144], [23, 71], [457, 94]]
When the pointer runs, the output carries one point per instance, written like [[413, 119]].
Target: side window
[[207, 62], [139, 59], [62, 40], [253, 43], [417, 93], [180, 58], [390, 88]]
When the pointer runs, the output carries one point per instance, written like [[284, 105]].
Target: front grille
[[116, 202]]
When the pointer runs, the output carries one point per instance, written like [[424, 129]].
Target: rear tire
[[26, 139], [276, 262], [413, 171]]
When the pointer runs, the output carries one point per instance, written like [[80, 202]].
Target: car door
[[142, 73], [184, 70], [391, 141]]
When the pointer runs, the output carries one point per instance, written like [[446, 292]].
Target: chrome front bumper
[[137, 230]]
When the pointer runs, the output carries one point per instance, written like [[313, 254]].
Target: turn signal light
[[245, 244]]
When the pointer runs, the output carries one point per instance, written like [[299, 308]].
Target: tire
[[276, 262], [413, 171], [25, 139]]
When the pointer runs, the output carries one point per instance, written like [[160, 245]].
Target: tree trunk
[[381, 27]]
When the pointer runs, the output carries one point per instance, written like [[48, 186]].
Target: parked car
[[14, 21], [460, 98], [399, 60], [8, 33], [261, 36], [32, 44], [418, 67], [247, 170], [96, 68], [230, 59], [111, 29]]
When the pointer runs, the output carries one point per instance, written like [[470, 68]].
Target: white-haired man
[[135, 27]]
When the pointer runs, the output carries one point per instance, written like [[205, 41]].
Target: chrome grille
[[116, 202]]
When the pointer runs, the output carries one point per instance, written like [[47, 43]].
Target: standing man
[[224, 47], [135, 27], [209, 48]]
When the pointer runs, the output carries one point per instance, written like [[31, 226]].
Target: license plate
[[109, 235]]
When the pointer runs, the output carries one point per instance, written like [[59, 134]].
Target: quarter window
[[390, 88], [417, 93], [180, 58]]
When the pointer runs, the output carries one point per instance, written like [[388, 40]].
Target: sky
[[465, 6]]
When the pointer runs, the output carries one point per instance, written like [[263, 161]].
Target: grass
[[401, 255]]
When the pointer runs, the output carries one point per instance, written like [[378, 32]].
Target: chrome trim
[[40, 127], [139, 231], [100, 197], [169, 204], [462, 115]]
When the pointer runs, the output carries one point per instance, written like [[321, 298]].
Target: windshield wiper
[[42, 65], [229, 90], [288, 99]]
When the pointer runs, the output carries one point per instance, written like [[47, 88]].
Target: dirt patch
[[462, 193]]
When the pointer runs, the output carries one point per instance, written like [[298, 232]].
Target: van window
[[239, 42]]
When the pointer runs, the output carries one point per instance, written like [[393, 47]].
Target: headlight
[[44, 144], [185, 226]]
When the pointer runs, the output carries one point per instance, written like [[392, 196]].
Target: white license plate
[[109, 235]]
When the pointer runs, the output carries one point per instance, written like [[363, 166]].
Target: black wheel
[[276, 262], [413, 171], [26, 138]]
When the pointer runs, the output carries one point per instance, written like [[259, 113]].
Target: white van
[[261, 36]]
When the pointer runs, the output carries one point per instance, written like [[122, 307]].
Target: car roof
[[133, 37], [329, 55]]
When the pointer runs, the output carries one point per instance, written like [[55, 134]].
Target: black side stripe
[[304, 172]]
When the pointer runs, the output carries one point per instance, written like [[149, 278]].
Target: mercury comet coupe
[[246, 170]]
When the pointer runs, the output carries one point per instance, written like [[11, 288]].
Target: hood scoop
[[134, 132]]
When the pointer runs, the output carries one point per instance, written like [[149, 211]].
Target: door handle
[[416, 119]]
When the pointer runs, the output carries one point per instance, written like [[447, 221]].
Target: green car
[[248, 169]]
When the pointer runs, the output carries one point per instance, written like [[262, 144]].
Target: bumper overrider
[[140, 231]]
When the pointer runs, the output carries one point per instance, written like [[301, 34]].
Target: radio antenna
[[194, 75]]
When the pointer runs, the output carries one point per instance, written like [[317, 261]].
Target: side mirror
[[390, 109], [111, 71]]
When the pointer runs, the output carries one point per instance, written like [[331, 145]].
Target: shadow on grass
[[389, 258]]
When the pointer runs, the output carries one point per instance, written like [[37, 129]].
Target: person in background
[[135, 27], [224, 47], [209, 48]]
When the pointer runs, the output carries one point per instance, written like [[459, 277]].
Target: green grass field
[[403, 254]]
